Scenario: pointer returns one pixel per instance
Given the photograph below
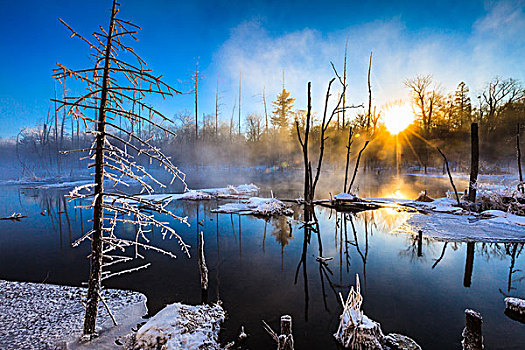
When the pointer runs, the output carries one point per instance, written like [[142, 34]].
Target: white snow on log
[[46, 316], [255, 206], [180, 326], [515, 304]]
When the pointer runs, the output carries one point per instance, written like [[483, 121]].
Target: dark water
[[262, 270]]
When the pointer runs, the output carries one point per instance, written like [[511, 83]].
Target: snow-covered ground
[[45, 316]]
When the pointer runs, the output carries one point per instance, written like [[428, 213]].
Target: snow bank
[[45, 316], [180, 326], [255, 206]]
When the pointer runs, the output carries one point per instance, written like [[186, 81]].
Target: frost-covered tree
[[114, 88]]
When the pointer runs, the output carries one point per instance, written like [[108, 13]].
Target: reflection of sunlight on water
[[384, 220]]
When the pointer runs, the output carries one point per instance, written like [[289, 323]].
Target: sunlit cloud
[[493, 47]]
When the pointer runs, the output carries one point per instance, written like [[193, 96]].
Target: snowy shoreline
[[47, 316]]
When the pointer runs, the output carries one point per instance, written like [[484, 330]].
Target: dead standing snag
[[116, 88]]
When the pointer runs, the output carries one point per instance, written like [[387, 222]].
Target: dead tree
[[310, 182], [450, 176], [521, 185], [344, 82], [113, 86], [265, 109], [349, 144], [369, 114], [195, 81], [217, 110], [472, 337], [285, 339], [357, 166], [240, 80], [474, 162]]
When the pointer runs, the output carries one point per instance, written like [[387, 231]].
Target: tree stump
[[472, 337], [285, 338]]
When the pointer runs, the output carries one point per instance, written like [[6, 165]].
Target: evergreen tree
[[462, 105], [283, 109]]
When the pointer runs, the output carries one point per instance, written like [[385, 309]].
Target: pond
[[261, 269]]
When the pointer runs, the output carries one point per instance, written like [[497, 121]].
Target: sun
[[398, 117]]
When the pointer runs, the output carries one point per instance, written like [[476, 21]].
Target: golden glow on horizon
[[398, 117]]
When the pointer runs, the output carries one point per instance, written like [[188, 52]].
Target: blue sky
[[471, 41]]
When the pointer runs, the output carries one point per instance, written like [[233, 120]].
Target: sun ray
[[398, 117], [413, 150]]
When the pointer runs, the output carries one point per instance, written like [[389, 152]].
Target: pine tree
[[462, 105], [283, 109]]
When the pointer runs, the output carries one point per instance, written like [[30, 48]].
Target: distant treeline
[[270, 140]]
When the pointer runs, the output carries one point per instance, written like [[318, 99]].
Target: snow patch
[[180, 326]]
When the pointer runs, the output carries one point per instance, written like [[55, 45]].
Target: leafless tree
[[497, 96], [426, 97], [117, 88]]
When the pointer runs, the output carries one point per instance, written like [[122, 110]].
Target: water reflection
[[261, 269]]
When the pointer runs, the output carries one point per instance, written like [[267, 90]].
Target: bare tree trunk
[[450, 176], [217, 108], [304, 144], [472, 336], [347, 157], [344, 83], [357, 166], [56, 132], [518, 154], [286, 337], [240, 77], [265, 110], [474, 162], [93, 295], [196, 82], [369, 94]]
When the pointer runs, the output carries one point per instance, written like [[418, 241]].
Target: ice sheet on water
[[255, 206]]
